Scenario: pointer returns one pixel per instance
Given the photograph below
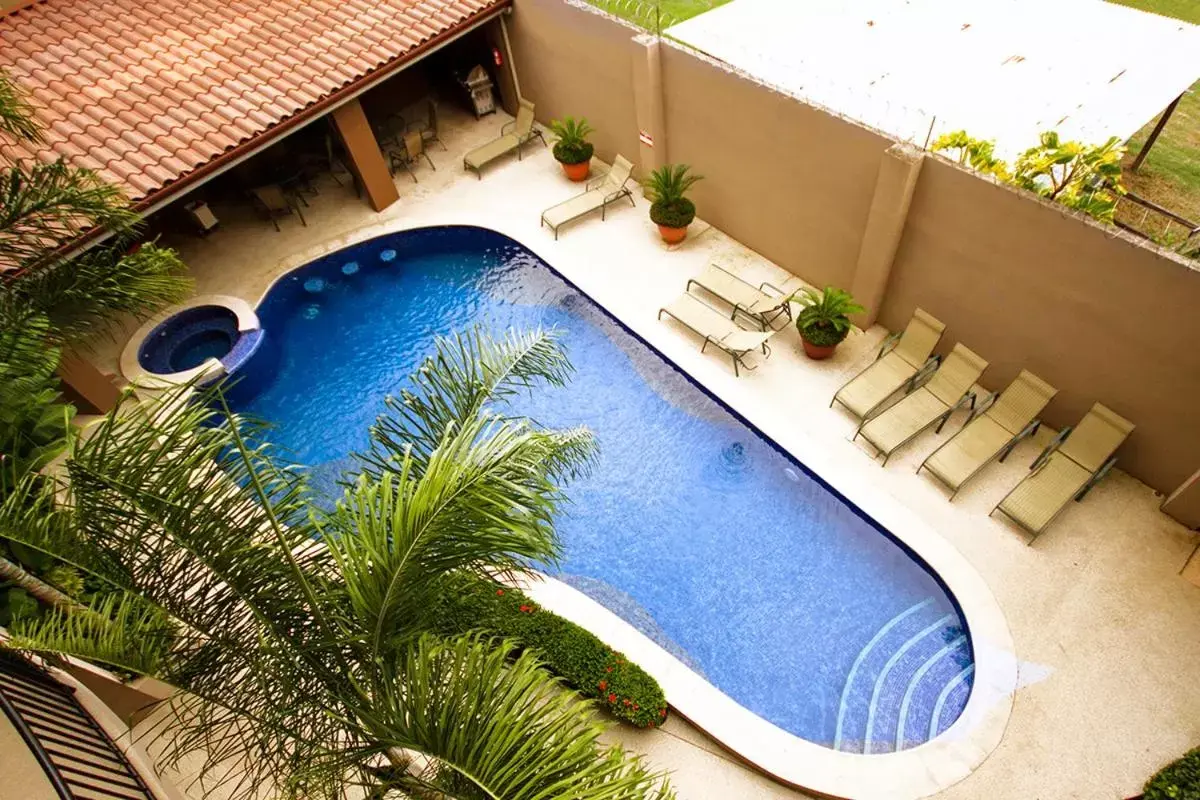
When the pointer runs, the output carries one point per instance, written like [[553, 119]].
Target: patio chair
[[745, 298], [1067, 469], [273, 201], [429, 128], [599, 193], [900, 360], [412, 146], [931, 402], [717, 329], [993, 430], [513, 135]]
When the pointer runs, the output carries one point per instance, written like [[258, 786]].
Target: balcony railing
[[81, 761]]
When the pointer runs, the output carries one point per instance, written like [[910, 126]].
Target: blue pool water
[[692, 526]]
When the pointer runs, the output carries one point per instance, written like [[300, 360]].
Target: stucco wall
[[791, 181], [574, 61], [1025, 284]]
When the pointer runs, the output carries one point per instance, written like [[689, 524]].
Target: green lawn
[[1170, 176], [641, 12]]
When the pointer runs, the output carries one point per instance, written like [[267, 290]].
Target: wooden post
[[365, 157], [1162, 121]]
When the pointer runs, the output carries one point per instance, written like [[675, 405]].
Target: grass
[[1170, 175], [641, 12]]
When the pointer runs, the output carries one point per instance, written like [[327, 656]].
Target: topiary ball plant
[[670, 209], [824, 320], [572, 149]]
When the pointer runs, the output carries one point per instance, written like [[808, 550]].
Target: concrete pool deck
[[1104, 628]]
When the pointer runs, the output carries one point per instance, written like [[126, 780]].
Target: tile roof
[[147, 92]]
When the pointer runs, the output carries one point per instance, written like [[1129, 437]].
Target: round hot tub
[[208, 338]]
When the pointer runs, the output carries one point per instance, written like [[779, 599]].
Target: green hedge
[[1179, 780], [582, 660]]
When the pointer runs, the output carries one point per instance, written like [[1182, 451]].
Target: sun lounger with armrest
[[745, 298], [600, 192], [717, 329], [901, 359], [512, 136]]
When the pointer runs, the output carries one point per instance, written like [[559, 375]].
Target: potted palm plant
[[670, 209], [572, 149], [824, 320]]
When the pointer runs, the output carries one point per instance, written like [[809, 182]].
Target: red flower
[[650, 724], [635, 706], [612, 698], [628, 702], [499, 591], [608, 669], [662, 712], [603, 685], [526, 609]]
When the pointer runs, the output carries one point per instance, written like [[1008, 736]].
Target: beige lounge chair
[[513, 135], [1067, 469], [900, 360], [600, 191], [745, 298], [717, 329], [994, 429], [930, 402]]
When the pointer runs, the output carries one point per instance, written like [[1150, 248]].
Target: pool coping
[[142, 378], [914, 773]]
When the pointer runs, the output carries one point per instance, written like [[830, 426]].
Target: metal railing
[[80, 760], [1161, 225]]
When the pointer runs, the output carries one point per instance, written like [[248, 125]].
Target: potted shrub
[[670, 210], [824, 321], [572, 149]]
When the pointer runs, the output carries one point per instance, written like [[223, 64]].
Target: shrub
[[825, 318], [676, 214], [67, 579], [583, 661], [572, 146], [1179, 780]]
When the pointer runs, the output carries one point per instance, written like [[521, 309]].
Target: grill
[[478, 85], [80, 760]]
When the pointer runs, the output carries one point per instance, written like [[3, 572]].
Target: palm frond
[[466, 374], [45, 206], [16, 115], [523, 739], [85, 295]]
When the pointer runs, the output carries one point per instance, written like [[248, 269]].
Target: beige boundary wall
[[1022, 282]]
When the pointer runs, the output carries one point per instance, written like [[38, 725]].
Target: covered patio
[[1099, 615]]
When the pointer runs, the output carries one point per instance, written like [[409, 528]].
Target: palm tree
[[44, 209], [300, 645]]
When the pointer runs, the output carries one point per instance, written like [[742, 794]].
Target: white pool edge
[[909, 774], [142, 378]]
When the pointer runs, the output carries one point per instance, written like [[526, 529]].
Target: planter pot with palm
[[825, 319], [670, 209], [572, 149]]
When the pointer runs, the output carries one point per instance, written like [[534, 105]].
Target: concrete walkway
[[1106, 631]]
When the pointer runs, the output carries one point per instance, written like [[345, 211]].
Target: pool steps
[[904, 682]]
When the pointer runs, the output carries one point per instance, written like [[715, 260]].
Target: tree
[[44, 209], [302, 649]]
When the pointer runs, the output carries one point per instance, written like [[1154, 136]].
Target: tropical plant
[[302, 649], [572, 146], [978, 154], [666, 188], [824, 319], [587, 664], [1086, 178], [1179, 780], [44, 209]]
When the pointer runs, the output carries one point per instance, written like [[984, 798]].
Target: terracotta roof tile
[[145, 93]]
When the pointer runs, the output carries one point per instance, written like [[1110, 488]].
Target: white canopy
[[1000, 69]]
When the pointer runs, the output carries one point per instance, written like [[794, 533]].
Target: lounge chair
[[1067, 469], [947, 390], [994, 429], [513, 135], [745, 298], [717, 329], [901, 358], [600, 191], [274, 202]]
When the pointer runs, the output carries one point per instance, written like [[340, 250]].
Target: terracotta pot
[[817, 352], [577, 172], [672, 235]]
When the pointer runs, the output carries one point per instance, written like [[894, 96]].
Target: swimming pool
[[692, 527]]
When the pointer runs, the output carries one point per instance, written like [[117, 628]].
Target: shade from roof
[[1000, 69], [148, 92]]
